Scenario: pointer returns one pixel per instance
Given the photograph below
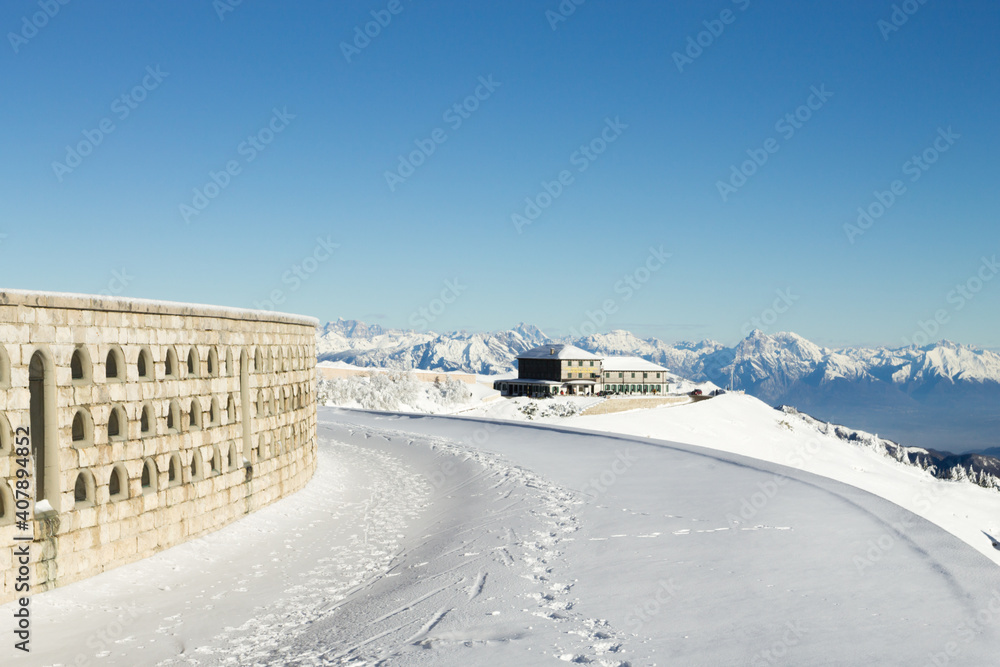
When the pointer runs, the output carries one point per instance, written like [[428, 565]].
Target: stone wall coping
[[97, 302]]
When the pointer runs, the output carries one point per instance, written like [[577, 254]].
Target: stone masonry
[[150, 423]]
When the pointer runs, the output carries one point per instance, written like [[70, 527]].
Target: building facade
[[633, 375], [145, 424], [553, 370]]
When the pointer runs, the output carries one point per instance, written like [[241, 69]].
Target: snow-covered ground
[[744, 425], [453, 541]]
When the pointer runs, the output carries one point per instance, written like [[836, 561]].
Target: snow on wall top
[[557, 351], [33, 299], [631, 364]]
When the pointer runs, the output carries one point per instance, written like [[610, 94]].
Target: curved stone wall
[[150, 423]]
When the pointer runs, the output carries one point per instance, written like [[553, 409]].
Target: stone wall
[[150, 423]]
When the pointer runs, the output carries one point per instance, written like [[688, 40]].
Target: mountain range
[[942, 396]]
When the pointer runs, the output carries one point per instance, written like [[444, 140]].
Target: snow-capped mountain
[[487, 353], [943, 395]]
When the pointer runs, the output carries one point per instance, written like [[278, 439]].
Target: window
[[194, 416], [234, 461], [216, 461], [230, 410], [5, 436], [645, 375], [213, 411], [174, 417], [117, 423], [114, 365], [6, 504], [197, 466], [83, 490], [174, 470], [81, 369], [149, 473], [229, 362], [144, 364], [591, 363], [83, 428], [657, 376], [193, 363], [146, 420], [213, 363], [633, 376], [170, 363], [118, 484]]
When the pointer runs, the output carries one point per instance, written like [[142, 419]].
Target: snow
[[371, 346], [43, 506], [630, 364], [557, 351], [744, 425], [401, 391], [428, 540]]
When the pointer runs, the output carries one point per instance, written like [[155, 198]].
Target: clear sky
[[240, 154]]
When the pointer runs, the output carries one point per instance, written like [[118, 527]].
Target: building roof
[[630, 364], [557, 351]]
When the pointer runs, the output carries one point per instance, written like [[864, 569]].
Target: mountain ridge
[[941, 391]]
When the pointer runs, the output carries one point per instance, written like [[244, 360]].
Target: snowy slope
[[744, 425]]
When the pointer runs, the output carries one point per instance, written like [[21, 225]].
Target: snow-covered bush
[[451, 392], [391, 390], [378, 391], [556, 409]]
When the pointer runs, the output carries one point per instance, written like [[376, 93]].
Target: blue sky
[[100, 193]]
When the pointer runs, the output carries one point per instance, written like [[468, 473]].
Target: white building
[[551, 370], [633, 375]]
